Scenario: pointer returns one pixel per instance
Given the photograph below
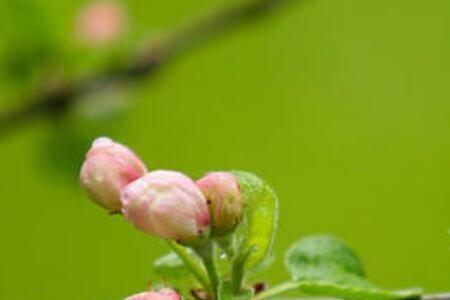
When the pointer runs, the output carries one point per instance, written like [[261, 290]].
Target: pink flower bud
[[101, 22], [224, 199], [167, 204], [164, 294], [108, 168]]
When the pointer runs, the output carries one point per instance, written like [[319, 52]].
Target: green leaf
[[323, 265], [170, 269], [170, 266], [257, 229], [191, 262], [324, 257]]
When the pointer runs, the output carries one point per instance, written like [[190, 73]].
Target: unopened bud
[[164, 294], [167, 204], [107, 169], [224, 199]]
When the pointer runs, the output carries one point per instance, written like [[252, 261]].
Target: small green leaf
[[257, 229], [171, 266], [170, 269], [190, 261], [324, 257], [323, 265]]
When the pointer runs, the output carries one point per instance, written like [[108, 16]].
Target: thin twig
[[58, 100]]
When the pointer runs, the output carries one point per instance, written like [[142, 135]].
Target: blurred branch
[[443, 296], [57, 101]]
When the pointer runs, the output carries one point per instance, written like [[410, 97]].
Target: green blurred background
[[343, 106]]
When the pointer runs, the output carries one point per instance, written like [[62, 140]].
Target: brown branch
[[58, 100]]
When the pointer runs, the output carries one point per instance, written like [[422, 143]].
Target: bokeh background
[[343, 106]]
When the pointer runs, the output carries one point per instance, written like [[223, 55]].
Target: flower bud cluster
[[167, 204]]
